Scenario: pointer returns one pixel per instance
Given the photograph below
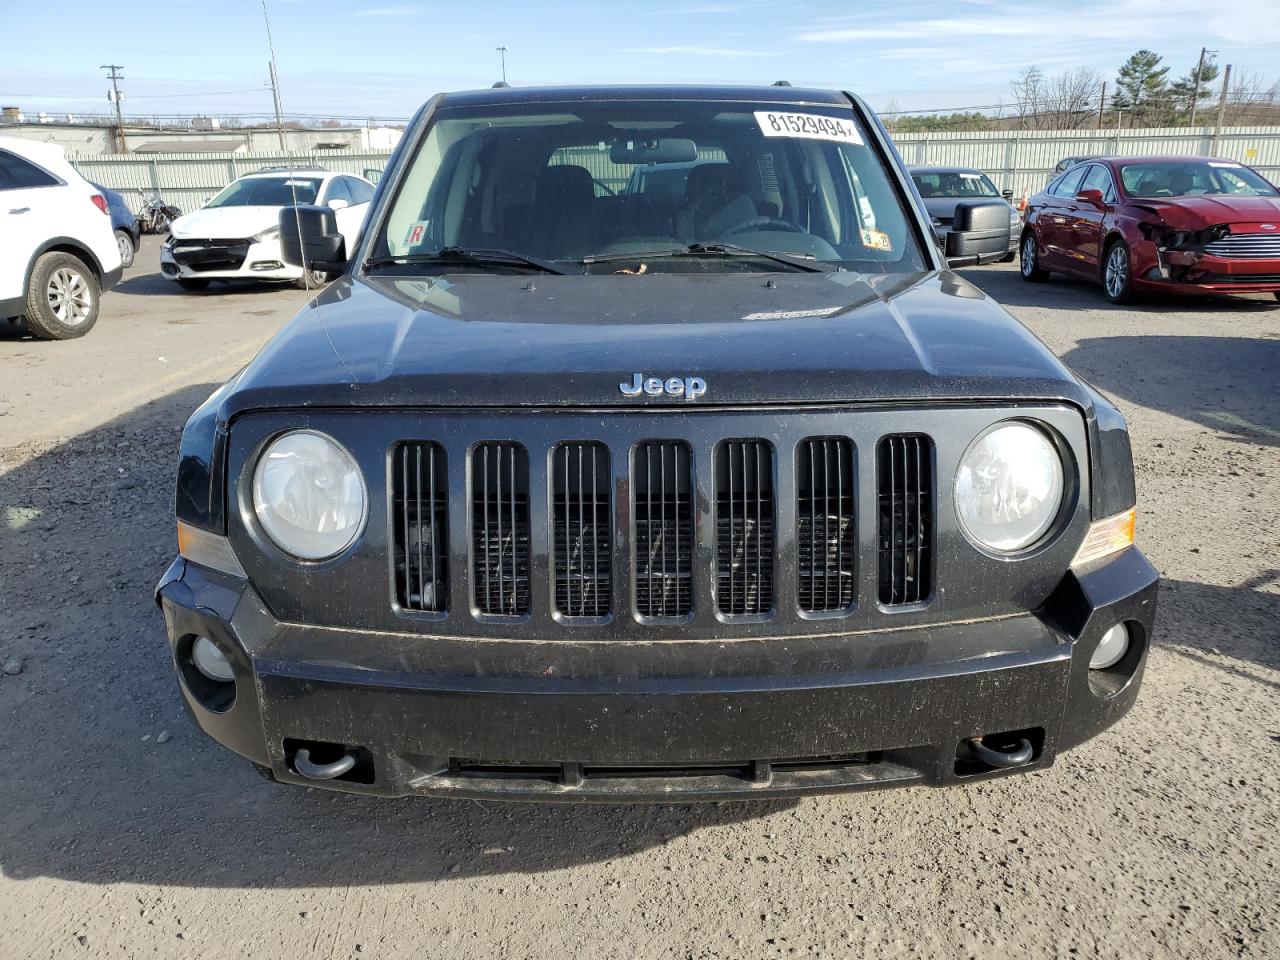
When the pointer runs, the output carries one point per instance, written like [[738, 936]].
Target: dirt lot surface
[[124, 832]]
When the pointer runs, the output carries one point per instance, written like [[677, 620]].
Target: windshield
[[954, 183], [564, 182], [268, 192], [1190, 178]]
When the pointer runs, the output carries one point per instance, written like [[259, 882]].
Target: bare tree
[[1028, 95], [1070, 98], [1250, 100]]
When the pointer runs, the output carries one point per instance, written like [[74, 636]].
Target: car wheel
[[125, 243], [193, 283], [1030, 260], [62, 297], [1117, 273], [312, 280]]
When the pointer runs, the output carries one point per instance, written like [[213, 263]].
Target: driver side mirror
[[1007, 193], [1091, 197], [309, 236], [979, 232]]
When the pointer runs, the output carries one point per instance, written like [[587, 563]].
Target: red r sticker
[[416, 230]]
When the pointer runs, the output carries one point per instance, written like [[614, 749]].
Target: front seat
[[563, 201], [714, 201]]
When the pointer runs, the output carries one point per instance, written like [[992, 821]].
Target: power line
[[115, 76]]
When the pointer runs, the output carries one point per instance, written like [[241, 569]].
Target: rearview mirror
[[979, 232], [309, 237], [1092, 197], [664, 150]]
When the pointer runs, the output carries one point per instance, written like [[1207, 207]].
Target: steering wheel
[[764, 223]]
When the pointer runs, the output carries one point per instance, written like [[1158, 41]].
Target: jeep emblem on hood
[[690, 388]]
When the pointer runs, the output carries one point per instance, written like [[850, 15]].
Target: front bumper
[[1187, 271], [261, 260], [668, 720]]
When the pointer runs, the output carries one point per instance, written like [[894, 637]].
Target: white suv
[[236, 235], [58, 252]]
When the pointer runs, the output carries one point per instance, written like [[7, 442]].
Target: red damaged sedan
[[1145, 224]]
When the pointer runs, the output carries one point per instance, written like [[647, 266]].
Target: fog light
[[211, 661], [1111, 648]]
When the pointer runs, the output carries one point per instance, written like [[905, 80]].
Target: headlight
[[268, 234], [1009, 487], [309, 495]]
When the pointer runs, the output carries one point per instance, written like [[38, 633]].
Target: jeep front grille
[[500, 528], [826, 545], [419, 527], [904, 471], [582, 523], [744, 527], [663, 529]]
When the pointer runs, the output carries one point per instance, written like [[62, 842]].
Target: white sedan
[[236, 235]]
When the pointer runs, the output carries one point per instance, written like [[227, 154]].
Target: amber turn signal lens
[[1106, 537], [208, 549]]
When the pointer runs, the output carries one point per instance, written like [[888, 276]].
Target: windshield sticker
[[1215, 163], [416, 232], [807, 126], [875, 240]]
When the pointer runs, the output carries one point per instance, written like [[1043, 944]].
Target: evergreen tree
[[1141, 87], [1183, 92]]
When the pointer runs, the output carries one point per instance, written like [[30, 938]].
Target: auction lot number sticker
[[807, 126]]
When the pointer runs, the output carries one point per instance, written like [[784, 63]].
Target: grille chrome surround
[[664, 531], [582, 521], [1246, 246], [500, 528], [744, 528], [904, 477], [826, 531], [420, 527]]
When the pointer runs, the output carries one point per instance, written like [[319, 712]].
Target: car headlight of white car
[[271, 233], [309, 495], [1009, 487]]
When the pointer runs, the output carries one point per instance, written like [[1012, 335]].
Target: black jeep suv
[[569, 489]]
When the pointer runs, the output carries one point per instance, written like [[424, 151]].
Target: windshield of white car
[[619, 179], [1190, 178], [268, 192], [954, 183]]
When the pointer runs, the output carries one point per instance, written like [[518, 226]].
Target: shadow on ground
[[1009, 289], [86, 529], [1229, 384]]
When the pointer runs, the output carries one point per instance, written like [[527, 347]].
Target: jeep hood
[[481, 340]]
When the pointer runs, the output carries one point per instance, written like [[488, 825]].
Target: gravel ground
[[125, 833]]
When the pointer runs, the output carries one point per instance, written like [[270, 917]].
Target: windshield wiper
[[504, 258], [806, 264]]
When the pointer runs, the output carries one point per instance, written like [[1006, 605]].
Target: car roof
[[559, 94], [36, 150], [933, 169]]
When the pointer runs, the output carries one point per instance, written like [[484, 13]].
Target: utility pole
[[1195, 93], [115, 76], [275, 98], [1102, 104], [1222, 110], [502, 52]]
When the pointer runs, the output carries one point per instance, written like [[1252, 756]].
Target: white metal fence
[[1019, 160], [187, 180], [1022, 160]]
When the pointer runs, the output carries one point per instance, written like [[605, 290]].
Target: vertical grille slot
[[420, 519], [904, 469], [500, 528], [744, 527], [580, 503], [662, 488], [825, 529]]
